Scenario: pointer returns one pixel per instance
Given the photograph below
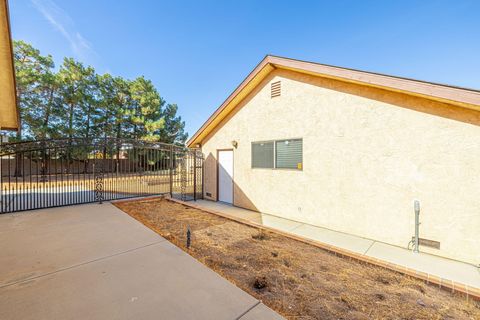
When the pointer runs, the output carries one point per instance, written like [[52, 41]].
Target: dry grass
[[298, 280]]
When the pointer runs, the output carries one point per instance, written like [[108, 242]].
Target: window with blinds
[[288, 154], [262, 154], [279, 154]]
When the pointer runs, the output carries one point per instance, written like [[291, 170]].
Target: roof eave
[[8, 82], [265, 63], [465, 98]]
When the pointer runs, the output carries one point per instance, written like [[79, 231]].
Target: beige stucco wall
[[368, 153], [8, 107]]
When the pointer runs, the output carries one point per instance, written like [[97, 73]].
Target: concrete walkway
[[434, 265], [96, 262]]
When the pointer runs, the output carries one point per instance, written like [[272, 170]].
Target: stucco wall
[[367, 154], [8, 105]]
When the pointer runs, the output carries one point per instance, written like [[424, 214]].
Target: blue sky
[[197, 52]]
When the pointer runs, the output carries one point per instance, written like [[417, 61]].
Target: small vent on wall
[[276, 89], [429, 243]]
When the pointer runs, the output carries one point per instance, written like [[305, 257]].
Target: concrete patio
[[96, 262], [441, 267]]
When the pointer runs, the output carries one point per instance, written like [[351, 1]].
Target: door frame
[[233, 174]]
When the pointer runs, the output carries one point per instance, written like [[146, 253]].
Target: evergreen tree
[[36, 91], [76, 102], [173, 129], [145, 112]]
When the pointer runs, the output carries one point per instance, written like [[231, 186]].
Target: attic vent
[[275, 89]]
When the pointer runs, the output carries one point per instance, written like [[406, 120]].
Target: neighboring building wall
[[8, 105], [367, 154]]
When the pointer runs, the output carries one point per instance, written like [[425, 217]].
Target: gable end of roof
[[462, 97]]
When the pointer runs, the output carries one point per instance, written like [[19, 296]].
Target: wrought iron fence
[[52, 173]]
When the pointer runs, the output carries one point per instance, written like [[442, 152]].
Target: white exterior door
[[225, 176]]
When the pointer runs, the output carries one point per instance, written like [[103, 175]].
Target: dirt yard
[[298, 280]]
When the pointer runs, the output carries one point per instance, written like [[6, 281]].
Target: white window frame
[[274, 154]]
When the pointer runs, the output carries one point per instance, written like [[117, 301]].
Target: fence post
[[43, 172], [98, 176], [171, 171], [194, 175], [1, 176], [183, 177]]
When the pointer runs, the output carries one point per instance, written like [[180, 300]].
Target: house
[[9, 115], [350, 151]]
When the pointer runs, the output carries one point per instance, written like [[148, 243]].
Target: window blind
[[288, 154], [262, 154]]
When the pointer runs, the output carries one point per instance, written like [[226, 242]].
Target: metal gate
[[52, 173]]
